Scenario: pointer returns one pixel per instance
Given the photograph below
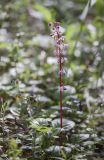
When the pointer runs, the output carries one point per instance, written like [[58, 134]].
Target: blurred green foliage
[[29, 124]]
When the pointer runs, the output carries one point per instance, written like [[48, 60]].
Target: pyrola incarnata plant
[[60, 47]]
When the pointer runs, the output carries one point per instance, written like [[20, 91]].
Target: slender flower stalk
[[59, 51]]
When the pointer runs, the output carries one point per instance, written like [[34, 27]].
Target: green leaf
[[63, 154], [46, 13], [67, 124], [85, 12], [40, 126], [71, 30], [43, 129], [92, 2]]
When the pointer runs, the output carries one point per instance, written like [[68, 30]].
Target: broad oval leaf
[[67, 124]]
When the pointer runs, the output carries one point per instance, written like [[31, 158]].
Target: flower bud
[[66, 46], [62, 72], [50, 24]]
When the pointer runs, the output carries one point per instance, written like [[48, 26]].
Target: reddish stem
[[60, 78], [56, 33]]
